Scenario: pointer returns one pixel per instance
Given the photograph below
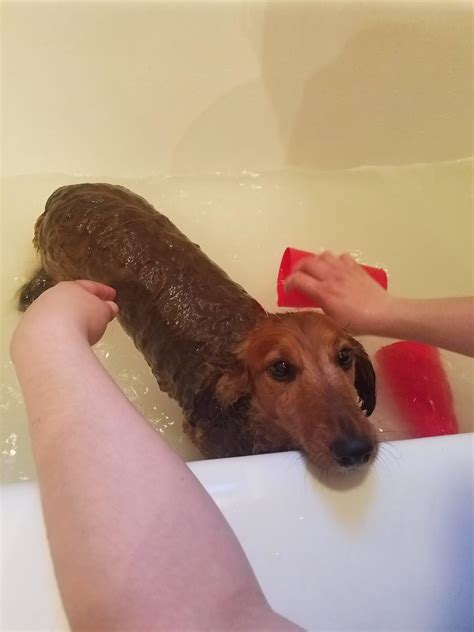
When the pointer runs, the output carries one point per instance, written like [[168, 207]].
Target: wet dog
[[248, 382]]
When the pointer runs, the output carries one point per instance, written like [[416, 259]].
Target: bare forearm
[[136, 541], [445, 323]]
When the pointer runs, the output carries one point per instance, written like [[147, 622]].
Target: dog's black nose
[[352, 450]]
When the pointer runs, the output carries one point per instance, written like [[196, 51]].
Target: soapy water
[[414, 221]]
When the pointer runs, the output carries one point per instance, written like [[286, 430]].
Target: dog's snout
[[350, 451]]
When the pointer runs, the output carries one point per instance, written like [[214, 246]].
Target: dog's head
[[306, 377]]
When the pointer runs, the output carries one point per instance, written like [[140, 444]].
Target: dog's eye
[[345, 358], [281, 371]]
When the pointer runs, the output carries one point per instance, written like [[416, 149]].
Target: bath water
[[415, 221]]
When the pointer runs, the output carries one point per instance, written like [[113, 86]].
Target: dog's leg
[[40, 282]]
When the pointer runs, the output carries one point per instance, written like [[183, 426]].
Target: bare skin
[[355, 301], [136, 541]]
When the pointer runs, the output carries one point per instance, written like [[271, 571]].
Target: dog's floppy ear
[[233, 385], [225, 396], [364, 378], [206, 408]]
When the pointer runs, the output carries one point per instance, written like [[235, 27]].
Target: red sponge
[[420, 389]]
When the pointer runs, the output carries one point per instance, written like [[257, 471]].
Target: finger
[[327, 255], [348, 260], [113, 309], [105, 292], [304, 283], [318, 266]]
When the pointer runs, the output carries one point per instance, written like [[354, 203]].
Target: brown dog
[[248, 382]]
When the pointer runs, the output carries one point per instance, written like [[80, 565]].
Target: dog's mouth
[[343, 456], [351, 470]]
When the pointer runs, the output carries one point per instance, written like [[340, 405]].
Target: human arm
[[355, 301], [136, 541]]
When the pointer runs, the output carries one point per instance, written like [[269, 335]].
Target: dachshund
[[248, 382]]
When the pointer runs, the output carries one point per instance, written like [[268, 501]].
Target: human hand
[[72, 308], [343, 289]]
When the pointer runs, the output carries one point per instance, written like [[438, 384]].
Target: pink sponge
[[420, 389]]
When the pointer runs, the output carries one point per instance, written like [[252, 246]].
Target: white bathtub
[[257, 125], [392, 554]]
